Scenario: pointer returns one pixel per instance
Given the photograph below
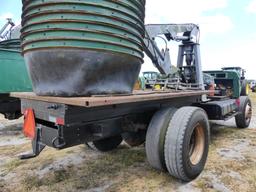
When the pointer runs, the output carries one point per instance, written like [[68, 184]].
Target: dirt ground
[[231, 165]]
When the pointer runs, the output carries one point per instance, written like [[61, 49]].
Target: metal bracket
[[37, 147]]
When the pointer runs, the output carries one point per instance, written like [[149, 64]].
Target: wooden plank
[[95, 101]]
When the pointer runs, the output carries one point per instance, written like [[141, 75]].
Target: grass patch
[[13, 164], [53, 178], [90, 174], [107, 167], [204, 184], [31, 182], [58, 176]]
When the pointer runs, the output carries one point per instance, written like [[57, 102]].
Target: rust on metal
[[97, 101]]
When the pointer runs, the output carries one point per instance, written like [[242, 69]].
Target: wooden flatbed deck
[[103, 100]]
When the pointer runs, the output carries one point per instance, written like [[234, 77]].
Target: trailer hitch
[[37, 147]]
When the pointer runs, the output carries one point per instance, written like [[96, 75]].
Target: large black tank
[[83, 47]]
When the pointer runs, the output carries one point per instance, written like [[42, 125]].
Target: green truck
[[230, 81]]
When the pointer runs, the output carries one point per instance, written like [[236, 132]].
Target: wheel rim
[[197, 144], [248, 113]]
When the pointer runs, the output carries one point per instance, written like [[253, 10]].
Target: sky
[[228, 29]]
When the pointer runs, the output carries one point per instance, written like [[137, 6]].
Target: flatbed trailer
[[172, 123], [106, 100]]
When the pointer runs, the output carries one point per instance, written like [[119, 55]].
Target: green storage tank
[[13, 75], [83, 47], [13, 72]]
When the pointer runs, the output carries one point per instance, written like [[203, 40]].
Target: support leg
[[37, 147]]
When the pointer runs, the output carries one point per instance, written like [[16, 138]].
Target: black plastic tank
[[83, 47]]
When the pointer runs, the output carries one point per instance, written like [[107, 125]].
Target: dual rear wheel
[[178, 141]]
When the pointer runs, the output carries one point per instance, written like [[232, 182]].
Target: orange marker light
[[29, 126]]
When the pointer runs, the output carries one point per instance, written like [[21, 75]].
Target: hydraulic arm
[[188, 35]]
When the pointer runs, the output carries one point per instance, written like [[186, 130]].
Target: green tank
[[14, 78], [13, 72], [83, 47]]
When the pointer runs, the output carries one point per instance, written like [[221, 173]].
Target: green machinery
[[13, 73], [245, 87], [230, 81]]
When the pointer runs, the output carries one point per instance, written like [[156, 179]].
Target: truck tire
[[187, 143], [105, 145], [245, 88], [243, 118], [134, 139], [155, 137]]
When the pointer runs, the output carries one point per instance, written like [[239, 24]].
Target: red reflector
[[29, 126], [60, 121]]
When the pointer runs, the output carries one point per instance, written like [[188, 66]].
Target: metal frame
[[191, 53]]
